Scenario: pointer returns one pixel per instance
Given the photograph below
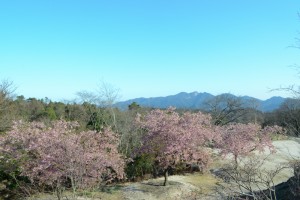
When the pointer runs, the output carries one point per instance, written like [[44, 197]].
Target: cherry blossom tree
[[173, 139], [241, 139], [57, 155]]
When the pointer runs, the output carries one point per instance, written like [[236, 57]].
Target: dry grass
[[206, 182]]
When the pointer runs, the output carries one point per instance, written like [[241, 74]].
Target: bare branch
[[108, 94], [86, 96]]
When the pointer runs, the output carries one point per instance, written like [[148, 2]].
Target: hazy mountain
[[197, 100], [271, 104]]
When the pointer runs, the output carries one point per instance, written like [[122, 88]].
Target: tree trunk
[[58, 192], [73, 185], [166, 173], [235, 161], [155, 172]]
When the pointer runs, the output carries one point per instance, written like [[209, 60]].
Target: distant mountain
[[271, 104], [195, 100]]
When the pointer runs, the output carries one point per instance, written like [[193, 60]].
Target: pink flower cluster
[[241, 139], [59, 153], [172, 138]]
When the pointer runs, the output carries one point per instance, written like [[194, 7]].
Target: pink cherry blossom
[[173, 138], [59, 153], [241, 139]]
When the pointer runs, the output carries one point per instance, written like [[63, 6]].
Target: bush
[[140, 166]]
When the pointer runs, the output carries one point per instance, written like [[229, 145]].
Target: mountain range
[[195, 100]]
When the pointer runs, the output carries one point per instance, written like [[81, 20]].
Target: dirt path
[[180, 187]]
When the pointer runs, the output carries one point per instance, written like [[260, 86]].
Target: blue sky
[[146, 48]]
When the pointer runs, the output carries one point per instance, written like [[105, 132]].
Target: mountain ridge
[[199, 100]]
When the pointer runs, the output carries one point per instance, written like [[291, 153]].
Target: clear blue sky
[[55, 48]]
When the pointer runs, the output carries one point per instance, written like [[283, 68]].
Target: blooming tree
[[241, 139], [172, 138], [59, 154]]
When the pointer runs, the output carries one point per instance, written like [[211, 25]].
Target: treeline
[[93, 111], [94, 117]]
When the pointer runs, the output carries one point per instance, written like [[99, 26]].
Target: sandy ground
[[286, 151], [196, 186]]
